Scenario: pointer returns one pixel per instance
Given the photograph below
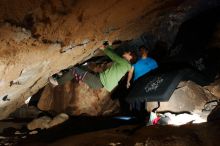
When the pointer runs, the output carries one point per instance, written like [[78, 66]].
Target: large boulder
[[76, 99], [188, 97]]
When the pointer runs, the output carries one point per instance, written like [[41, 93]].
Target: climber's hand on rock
[[109, 43], [102, 47]]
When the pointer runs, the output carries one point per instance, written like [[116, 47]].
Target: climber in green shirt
[[108, 79]]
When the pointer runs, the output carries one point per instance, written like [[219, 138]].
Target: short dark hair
[[144, 47]]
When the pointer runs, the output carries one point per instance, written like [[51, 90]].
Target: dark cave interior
[[192, 56]]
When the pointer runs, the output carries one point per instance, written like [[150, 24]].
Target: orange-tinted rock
[[76, 99]]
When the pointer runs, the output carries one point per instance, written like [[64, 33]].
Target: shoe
[[53, 81], [59, 74], [153, 120], [78, 73]]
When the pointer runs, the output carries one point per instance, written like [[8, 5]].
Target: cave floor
[[85, 131]]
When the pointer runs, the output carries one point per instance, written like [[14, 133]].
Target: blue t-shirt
[[144, 66]]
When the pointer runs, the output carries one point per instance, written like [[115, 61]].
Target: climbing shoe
[[53, 81]]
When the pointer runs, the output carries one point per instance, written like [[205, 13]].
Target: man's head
[[129, 56], [143, 50]]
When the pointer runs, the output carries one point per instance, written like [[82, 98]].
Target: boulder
[[76, 99], [46, 122], [214, 88], [189, 97], [42, 123], [58, 119]]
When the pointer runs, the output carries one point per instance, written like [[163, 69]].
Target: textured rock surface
[[42, 123], [25, 112], [76, 99], [214, 88], [188, 97], [38, 38], [47, 122]]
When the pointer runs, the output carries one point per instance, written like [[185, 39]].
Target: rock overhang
[[39, 38]]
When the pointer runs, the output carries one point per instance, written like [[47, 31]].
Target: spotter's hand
[[128, 85]]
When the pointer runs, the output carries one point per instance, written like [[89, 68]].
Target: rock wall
[[38, 38]]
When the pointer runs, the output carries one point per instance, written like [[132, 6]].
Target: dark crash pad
[[160, 84]]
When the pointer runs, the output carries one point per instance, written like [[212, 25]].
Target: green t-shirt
[[113, 75]]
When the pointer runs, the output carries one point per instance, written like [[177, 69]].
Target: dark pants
[[92, 80]]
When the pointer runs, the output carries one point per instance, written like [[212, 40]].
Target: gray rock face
[[190, 97]]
